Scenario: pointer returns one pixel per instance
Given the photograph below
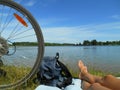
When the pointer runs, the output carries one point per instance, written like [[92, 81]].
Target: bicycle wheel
[[21, 44]]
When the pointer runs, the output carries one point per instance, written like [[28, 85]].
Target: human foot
[[84, 75]]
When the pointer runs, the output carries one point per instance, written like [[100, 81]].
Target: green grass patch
[[16, 73]]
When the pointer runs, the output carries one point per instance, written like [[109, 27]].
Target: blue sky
[[72, 21]]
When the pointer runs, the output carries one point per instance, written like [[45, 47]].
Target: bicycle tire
[[39, 36]]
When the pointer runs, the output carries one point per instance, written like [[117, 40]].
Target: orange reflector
[[20, 19]]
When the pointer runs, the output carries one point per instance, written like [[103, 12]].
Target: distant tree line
[[95, 42], [26, 43], [59, 44], [46, 44], [85, 43]]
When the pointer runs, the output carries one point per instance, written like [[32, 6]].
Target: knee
[[108, 77]]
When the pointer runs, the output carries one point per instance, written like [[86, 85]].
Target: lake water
[[106, 58]]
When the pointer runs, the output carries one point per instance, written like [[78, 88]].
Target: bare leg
[[110, 82], [95, 86], [107, 81]]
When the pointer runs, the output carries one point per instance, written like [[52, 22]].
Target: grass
[[15, 73], [75, 72]]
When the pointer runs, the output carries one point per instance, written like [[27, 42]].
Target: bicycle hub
[[3, 46]]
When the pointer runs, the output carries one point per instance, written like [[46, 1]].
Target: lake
[[106, 58]]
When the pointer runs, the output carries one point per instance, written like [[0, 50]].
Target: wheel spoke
[[15, 29], [18, 30], [23, 37], [5, 23], [17, 34], [1, 17]]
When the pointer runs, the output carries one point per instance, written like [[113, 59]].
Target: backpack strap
[[64, 68], [66, 73]]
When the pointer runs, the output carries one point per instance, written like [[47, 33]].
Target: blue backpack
[[53, 73]]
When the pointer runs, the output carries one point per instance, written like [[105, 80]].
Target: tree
[[94, 42], [86, 42]]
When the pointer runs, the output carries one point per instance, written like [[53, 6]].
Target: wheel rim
[[22, 42]]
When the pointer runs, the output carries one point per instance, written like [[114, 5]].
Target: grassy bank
[[15, 73]]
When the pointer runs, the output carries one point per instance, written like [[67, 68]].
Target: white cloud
[[116, 17], [75, 34], [107, 31], [19, 1], [30, 3], [45, 3]]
